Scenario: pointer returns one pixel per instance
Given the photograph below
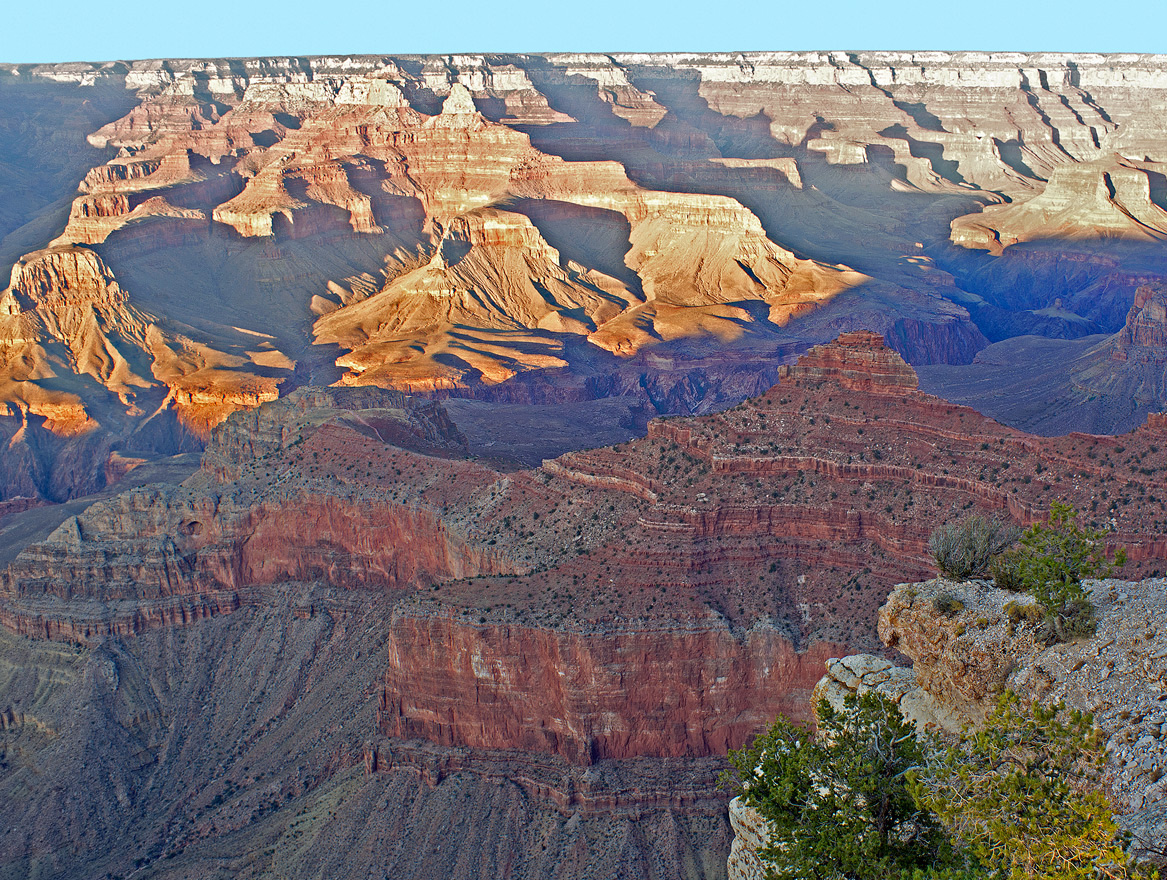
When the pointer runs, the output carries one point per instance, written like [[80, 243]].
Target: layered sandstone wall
[[154, 557], [676, 690], [455, 224]]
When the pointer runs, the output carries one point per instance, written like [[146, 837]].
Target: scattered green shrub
[[1005, 572], [869, 798], [967, 548], [1051, 563], [1024, 795], [1053, 559], [838, 804]]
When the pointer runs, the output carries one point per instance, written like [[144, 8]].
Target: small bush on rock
[[1028, 612], [1024, 795], [1052, 561], [1005, 572], [966, 549], [946, 603]]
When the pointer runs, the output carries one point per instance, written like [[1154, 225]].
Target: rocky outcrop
[[1116, 675], [87, 623], [68, 297], [857, 361], [1146, 325], [148, 715], [388, 416], [1131, 365], [150, 545], [655, 602], [966, 649], [85, 368], [821, 476], [750, 834], [964, 658], [867, 672]]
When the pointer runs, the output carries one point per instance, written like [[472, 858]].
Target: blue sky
[[72, 30]]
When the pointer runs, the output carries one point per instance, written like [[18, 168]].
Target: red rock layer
[[151, 546], [98, 621], [858, 361], [660, 597], [1146, 328], [663, 689]]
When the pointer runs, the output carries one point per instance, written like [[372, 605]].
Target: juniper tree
[[1024, 795], [838, 804]]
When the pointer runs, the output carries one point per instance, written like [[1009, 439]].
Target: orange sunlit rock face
[[421, 317], [456, 225]]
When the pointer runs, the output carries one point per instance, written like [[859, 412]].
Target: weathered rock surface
[[1134, 362], [1117, 674], [749, 836], [963, 659], [867, 672], [665, 689], [840, 460], [391, 417], [1146, 323]]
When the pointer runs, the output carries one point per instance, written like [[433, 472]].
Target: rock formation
[[1108, 198], [1051, 387], [1134, 362], [589, 636], [1146, 324], [502, 226]]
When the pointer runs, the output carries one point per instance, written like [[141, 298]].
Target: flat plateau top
[[363, 63]]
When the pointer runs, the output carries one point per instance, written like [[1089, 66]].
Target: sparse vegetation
[[1050, 564], [1024, 795], [1050, 561], [838, 804], [1005, 573], [946, 603], [967, 549], [869, 798]]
